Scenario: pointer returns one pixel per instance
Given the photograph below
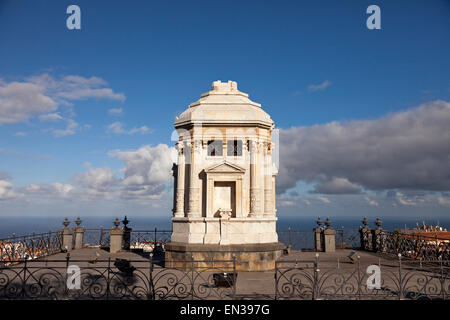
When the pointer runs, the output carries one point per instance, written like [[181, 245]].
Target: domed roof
[[224, 105]]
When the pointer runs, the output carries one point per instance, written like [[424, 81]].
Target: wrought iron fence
[[338, 280], [109, 280], [31, 246], [419, 246], [304, 239], [297, 239], [96, 238], [347, 239], [147, 240]]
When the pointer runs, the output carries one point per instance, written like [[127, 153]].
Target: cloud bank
[[42, 95], [407, 150]]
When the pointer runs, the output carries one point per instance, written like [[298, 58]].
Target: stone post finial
[[78, 221], [365, 222], [125, 221], [319, 222], [116, 222], [378, 223], [66, 222], [327, 223]]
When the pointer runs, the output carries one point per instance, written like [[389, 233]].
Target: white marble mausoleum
[[225, 177], [225, 182]]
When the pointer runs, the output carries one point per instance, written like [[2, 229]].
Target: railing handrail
[[14, 237]]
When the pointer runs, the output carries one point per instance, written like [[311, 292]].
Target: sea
[[27, 225]]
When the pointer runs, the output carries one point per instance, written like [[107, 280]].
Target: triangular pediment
[[225, 167]]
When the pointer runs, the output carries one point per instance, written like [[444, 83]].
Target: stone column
[[79, 234], [268, 201], [318, 236], [67, 243], [194, 210], [378, 237], [67, 237], [254, 190], [126, 241], [329, 236], [115, 238], [365, 236], [180, 182]]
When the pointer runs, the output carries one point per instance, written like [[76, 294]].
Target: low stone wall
[[248, 257]]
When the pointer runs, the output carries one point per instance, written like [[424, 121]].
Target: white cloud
[[146, 176], [70, 129], [19, 101], [20, 134], [7, 191], [117, 128], [115, 111], [146, 165], [53, 190], [323, 199], [73, 87], [97, 178], [408, 150], [337, 186], [50, 117], [42, 95], [371, 202], [319, 87]]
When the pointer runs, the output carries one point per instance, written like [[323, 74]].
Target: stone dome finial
[[224, 86]]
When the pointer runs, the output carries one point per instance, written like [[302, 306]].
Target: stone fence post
[[67, 236], [329, 237], [378, 237], [79, 234], [365, 236], [318, 236], [115, 237], [126, 241]]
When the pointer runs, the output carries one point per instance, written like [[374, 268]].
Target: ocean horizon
[[27, 225]]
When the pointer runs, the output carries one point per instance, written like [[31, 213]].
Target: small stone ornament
[[319, 222], [328, 222], [66, 222], [125, 221], [116, 222], [365, 222]]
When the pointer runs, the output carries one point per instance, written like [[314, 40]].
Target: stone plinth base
[[249, 257], [224, 231]]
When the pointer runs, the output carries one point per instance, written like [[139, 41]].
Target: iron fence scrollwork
[[400, 280], [106, 280]]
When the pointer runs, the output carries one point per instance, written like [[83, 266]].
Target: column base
[[248, 257]]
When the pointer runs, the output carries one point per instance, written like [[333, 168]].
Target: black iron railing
[[419, 246], [32, 246], [304, 239], [111, 280], [336, 279], [147, 240], [98, 237], [144, 279]]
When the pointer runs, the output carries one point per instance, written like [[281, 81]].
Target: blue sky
[[307, 62]]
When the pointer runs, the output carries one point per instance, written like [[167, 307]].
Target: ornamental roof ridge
[[224, 93]]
